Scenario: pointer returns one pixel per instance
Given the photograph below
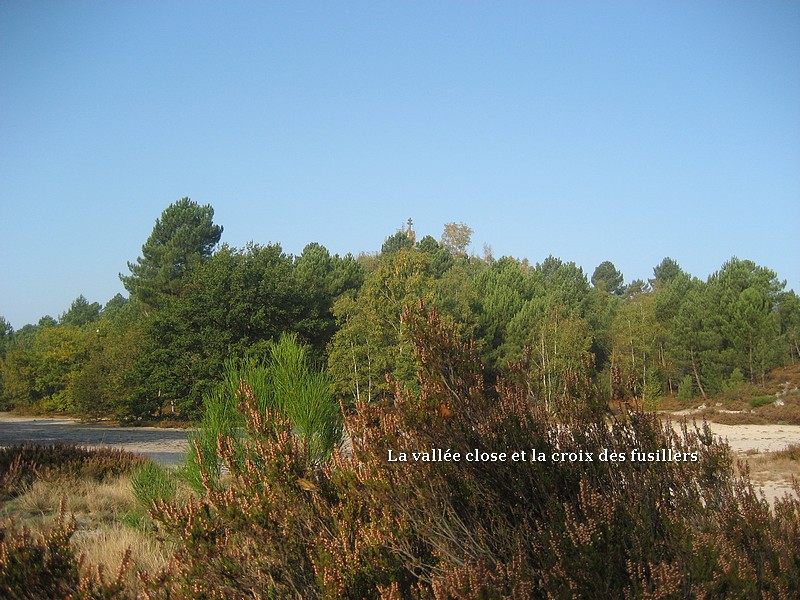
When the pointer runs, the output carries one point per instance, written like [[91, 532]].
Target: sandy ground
[[166, 446], [749, 442]]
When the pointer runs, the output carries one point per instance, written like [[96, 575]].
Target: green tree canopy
[[665, 271], [370, 341], [6, 331], [81, 312], [182, 237], [607, 277], [396, 242]]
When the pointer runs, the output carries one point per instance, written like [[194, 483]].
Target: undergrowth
[[359, 526], [22, 464], [54, 482]]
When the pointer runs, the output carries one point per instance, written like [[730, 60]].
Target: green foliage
[[152, 482], [746, 297], [667, 270], [81, 312], [284, 384], [440, 257], [102, 385], [606, 277], [6, 331], [789, 319], [321, 279], [38, 369], [696, 339], [394, 243], [735, 386], [686, 388], [192, 309], [370, 342], [303, 396], [183, 237], [232, 306], [636, 337], [651, 393], [757, 401]]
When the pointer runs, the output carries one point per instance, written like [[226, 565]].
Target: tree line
[[195, 306]]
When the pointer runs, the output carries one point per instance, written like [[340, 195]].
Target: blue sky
[[622, 131]]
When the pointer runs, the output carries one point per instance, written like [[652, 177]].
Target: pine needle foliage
[[284, 383]]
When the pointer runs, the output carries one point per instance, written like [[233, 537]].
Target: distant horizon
[[620, 131], [473, 253]]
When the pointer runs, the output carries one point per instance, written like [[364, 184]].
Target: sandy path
[[749, 439], [166, 446]]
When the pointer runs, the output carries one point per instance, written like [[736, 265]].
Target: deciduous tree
[[456, 237]]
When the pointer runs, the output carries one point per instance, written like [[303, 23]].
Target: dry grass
[[107, 545], [102, 501], [782, 466], [37, 499], [98, 509]]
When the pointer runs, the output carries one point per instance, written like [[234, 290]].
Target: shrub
[[22, 464], [45, 566], [359, 526], [686, 388], [652, 392], [152, 482], [757, 401], [736, 384]]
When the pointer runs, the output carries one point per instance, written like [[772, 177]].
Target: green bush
[[757, 401], [653, 390], [152, 482], [686, 388]]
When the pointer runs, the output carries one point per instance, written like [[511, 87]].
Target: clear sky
[[592, 131]]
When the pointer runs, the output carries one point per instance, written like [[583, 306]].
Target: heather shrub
[[359, 526], [44, 565], [22, 464]]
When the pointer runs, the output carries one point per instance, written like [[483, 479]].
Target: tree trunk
[[697, 377]]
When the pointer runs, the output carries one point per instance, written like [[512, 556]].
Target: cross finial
[[410, 231]]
